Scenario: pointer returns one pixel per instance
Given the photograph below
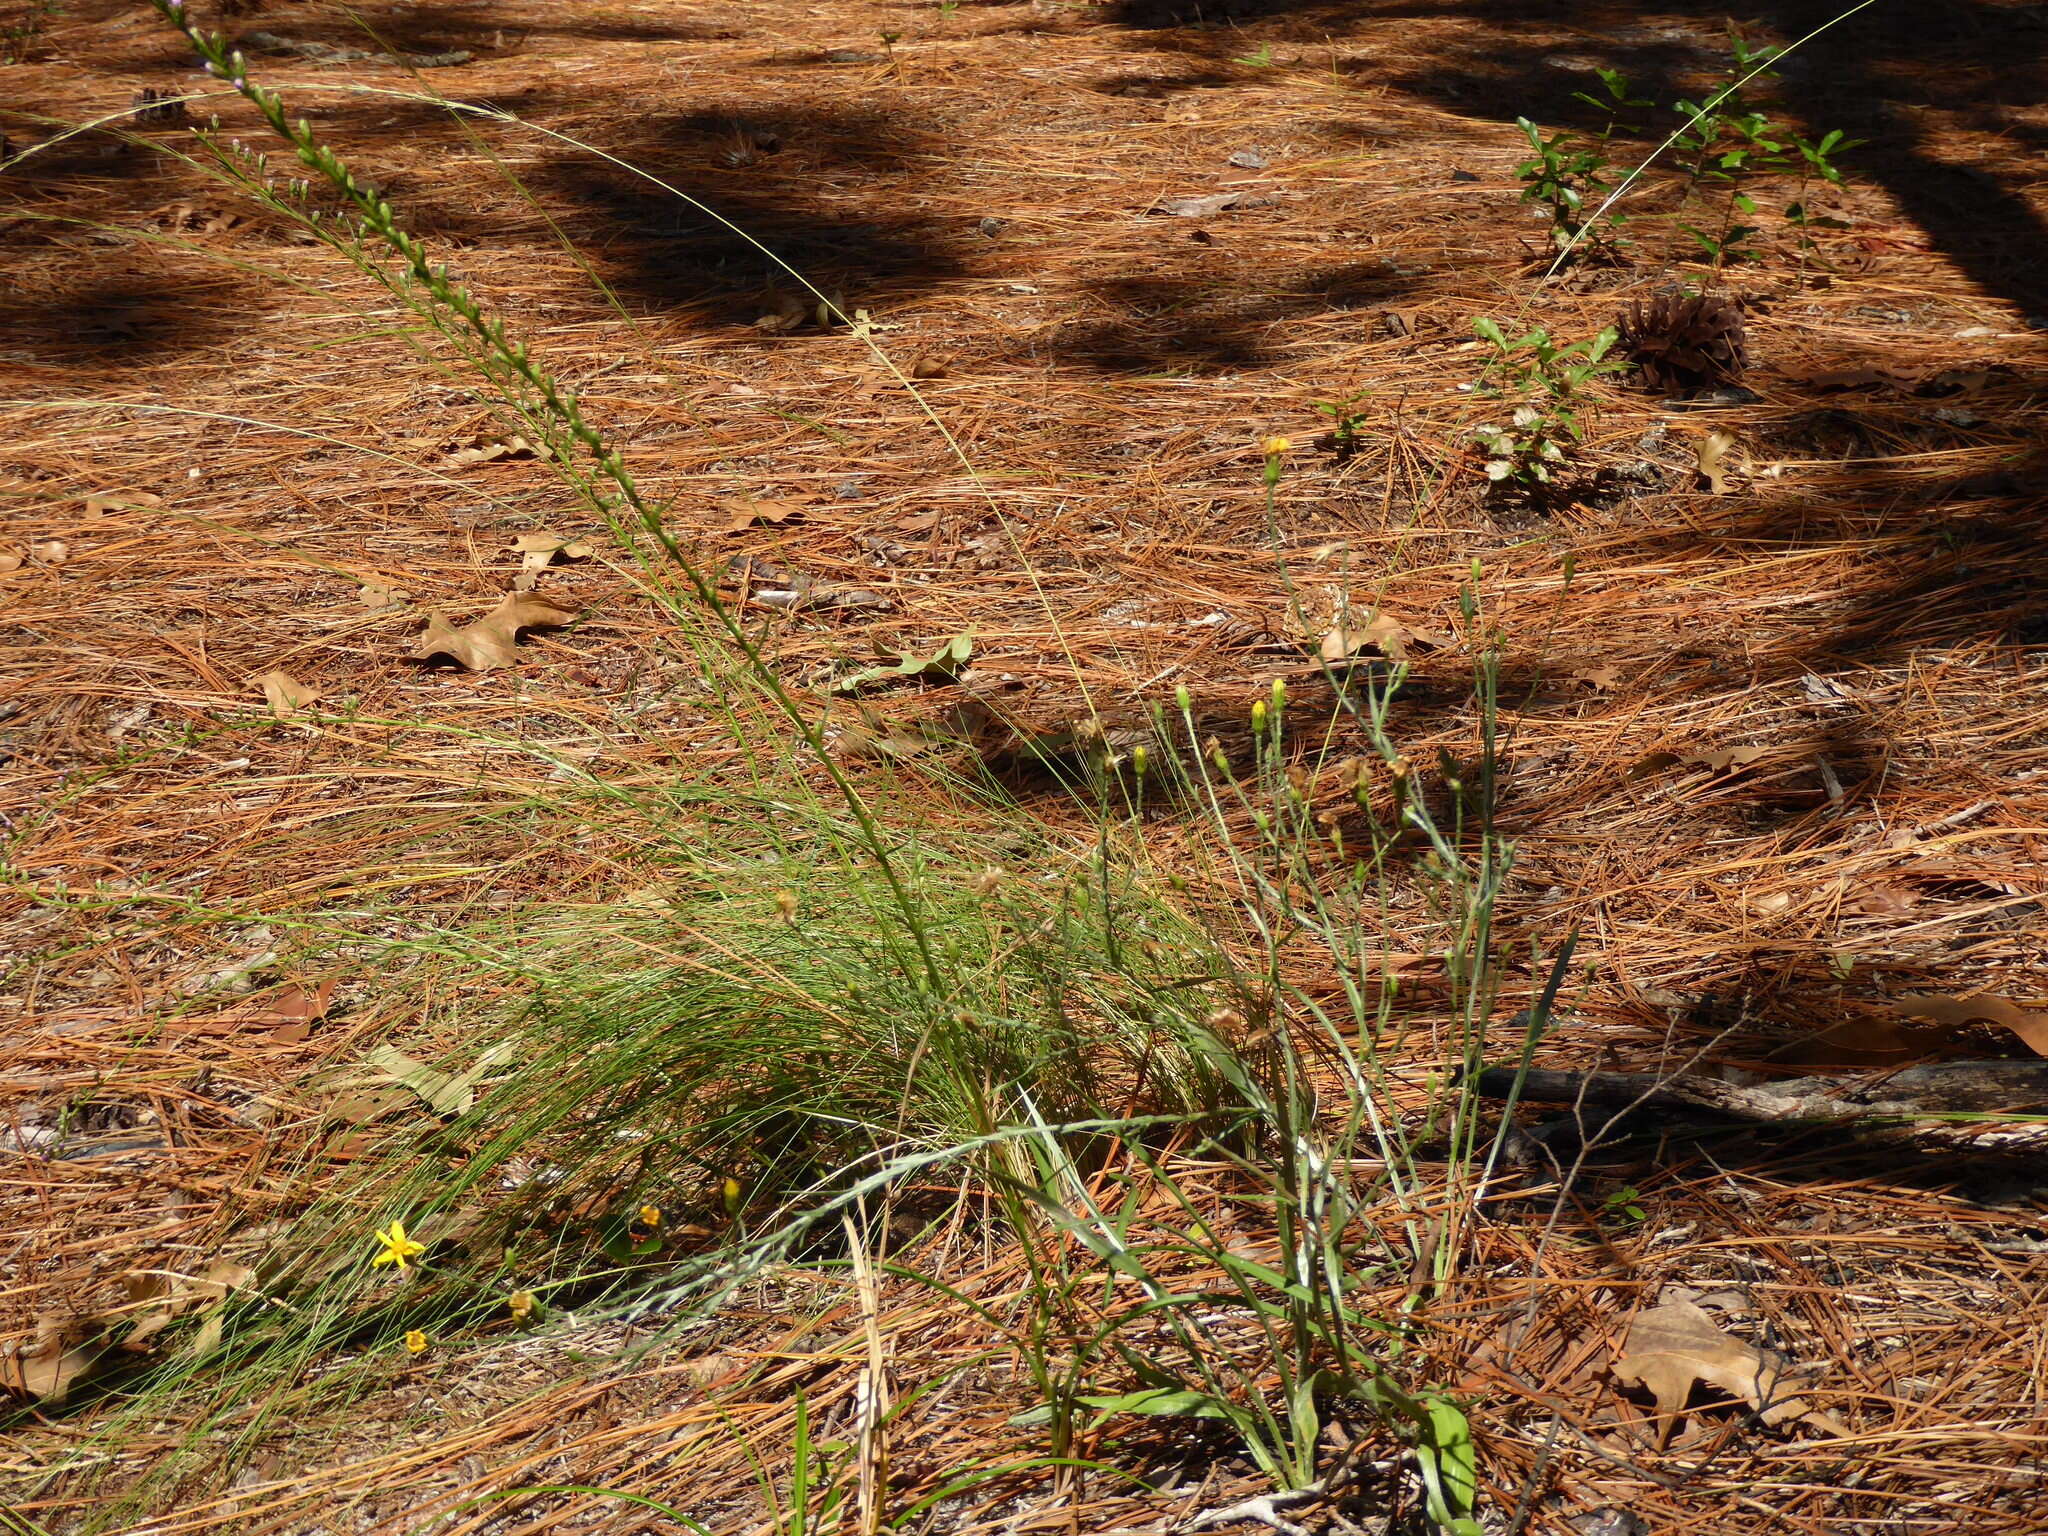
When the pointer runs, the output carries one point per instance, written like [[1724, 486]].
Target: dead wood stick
[[1878, 1100]]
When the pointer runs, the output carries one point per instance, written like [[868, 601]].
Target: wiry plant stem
[[228, 64]]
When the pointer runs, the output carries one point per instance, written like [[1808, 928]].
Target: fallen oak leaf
[[1955, 1012], [103, 502], [286, 694], [1380, 634], [1858, 378], [944, 664], [742, 512], [373, 595], [163, 1297], [1713, 454], [45, 1368], [446, 1093], [872, 736], [536, 550], [1671, 1348], [295, 1005], [1718, 760], [1212, 204], [490, 641]]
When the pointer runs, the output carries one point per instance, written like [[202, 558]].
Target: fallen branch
[[1979, 1105]]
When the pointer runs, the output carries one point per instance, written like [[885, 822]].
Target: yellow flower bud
[[1272, 447]]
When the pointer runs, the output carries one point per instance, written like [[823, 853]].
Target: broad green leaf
[[1159, 1402]]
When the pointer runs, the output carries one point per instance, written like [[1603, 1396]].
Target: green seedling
[[1561, 174], [1548, 380]]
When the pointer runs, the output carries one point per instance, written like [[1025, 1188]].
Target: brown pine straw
[[1864, 606]]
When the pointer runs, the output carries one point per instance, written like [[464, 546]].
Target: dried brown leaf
[[1380, 634], [514, 447], [1713, 454], [103, 502], [372, 595], [161, 1298], [1859, 378], [48, 1364], [1955, 1012], [490, 641], [536, 550], [295, 1005], [743, 512], [51, 551], [286, 694], [1673, 1347], [9, 561]]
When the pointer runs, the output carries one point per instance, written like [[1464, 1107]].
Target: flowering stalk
[[228, 64]]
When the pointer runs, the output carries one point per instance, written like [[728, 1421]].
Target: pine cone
[[1683, 343]]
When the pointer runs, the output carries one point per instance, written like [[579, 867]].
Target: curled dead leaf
[[514, 447], [490, 641], [927, 367], [286, 694], [103, 502], [1713, 454], [10, 560], [373, 595], [1672, 1348], [51, 551], [1955, 1012]]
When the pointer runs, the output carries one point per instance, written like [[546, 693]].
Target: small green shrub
[[1548, 382]]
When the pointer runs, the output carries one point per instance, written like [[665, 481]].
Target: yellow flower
[[731, 1194], [1272, 447], [785, 905], [520, 1305], [415, 1342], [650, 1216], [394, 1247]]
